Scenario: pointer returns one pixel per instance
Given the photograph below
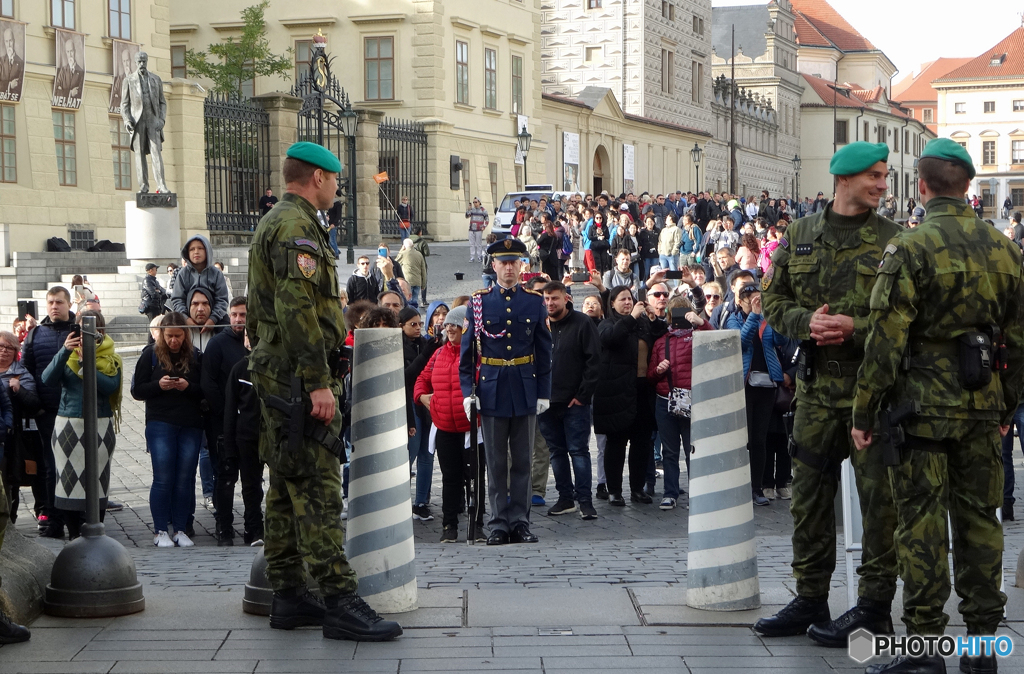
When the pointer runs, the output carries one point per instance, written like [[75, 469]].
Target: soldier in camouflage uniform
[[10, 632], [817, 291], [943, 290], [295, 323]]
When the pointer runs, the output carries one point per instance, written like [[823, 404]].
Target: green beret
[[949, 150], [856, 157], [317, 155]]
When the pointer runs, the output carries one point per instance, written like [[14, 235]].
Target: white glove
[[467, 402], [542, 405]]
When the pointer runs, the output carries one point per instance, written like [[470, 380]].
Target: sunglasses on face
[[713, 297], [658, 294]]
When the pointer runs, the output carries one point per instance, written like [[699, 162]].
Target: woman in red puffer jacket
[[438, 389]]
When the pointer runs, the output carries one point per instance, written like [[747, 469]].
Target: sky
[[912, 32]]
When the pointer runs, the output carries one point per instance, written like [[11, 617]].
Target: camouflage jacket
[[812, 266], [952, 274], [294, 316]]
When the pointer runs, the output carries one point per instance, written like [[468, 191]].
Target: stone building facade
[[66, 171]]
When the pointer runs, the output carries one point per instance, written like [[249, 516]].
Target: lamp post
[[894, 186], [523, 141], [695, 154], [349, 122], [796, 185]]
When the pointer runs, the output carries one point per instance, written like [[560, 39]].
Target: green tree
[[241, 60]]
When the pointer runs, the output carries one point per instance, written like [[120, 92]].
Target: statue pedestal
[[152, 232]]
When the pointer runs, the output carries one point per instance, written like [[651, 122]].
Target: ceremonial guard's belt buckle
[[499, 362], [835, 369]]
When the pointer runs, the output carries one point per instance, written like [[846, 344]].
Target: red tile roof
[[918, 88], [828, 24], [857, 98], [980, 68]]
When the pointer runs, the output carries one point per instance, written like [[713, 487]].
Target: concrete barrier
[[722, 558], [379, 542]]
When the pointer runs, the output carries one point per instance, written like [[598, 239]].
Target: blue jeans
[[419, 453], [488, 280], [174, 451], [675, 433], [669, 262], [333, 237], [567, 432], [403, 232], [414, 301], [206, 471], [1008, 477]]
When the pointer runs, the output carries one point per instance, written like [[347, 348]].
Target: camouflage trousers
[[824, 432], [967, 483], [303, 520]]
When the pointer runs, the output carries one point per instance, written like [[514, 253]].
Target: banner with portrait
[[12, 60], [628, 167], [570, 161], [123, 54], [69, 83]]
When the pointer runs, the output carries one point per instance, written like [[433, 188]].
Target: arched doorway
[[601, 169]]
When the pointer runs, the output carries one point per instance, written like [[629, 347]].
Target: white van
[[501, 223]]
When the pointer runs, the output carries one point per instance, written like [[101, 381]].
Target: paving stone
[[551, 608], [174, 667], [496, 664]]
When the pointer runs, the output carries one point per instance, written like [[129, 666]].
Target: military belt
[[819, 462], [841, 368], [498, 362], [949, 347]]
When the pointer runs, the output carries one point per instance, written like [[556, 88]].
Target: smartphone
[[382, 251], [669, 274], [174, 378], [524, 260], [27, 308], [680, 323], [76, 330], [580, 277]]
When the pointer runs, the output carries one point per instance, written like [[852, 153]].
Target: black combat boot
[[1008, 511], [11, 632], [795, 618], [296, 607], [349, 617], [904, 664], [874, 616], [978, 664]]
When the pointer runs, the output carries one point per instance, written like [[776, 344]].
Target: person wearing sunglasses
[[713, 295]]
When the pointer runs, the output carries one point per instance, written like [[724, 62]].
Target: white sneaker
[[208, 502], [769, 493], [257, 543], [785, 493], [344, 508], [162, 540], [667, 503], [182, 540]]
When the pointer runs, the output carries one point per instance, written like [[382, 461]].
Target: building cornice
[[183, 28], [371, 19], [465, 24], [315, 22]]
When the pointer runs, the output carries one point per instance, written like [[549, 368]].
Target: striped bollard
[[379, 542], [722, 559]]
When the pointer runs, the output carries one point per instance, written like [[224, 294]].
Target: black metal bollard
[[93, 576]]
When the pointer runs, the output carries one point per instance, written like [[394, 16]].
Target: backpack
[[566, 245]]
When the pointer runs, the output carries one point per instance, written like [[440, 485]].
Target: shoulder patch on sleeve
[[783, 242], [890, 249], [769, 276], [306, 242]]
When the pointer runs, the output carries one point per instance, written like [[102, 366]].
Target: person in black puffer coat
[[417, 350], [623, 394], [39, 348]]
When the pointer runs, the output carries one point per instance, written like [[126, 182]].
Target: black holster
[[805, 360], [891, 436]]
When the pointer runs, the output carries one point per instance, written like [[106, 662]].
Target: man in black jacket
[[40, 346], [154, 297], [575, 359], [220, 356], [241, 447]]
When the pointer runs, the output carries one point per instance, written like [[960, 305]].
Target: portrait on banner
[[12, 60], [124, 65], [69, 84]]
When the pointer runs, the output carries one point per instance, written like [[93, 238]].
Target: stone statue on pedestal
[[144, 110]]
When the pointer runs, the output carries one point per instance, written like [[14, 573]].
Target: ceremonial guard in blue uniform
[[507, 350]]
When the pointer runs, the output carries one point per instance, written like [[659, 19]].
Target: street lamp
[[349, 121], [523, 140], [695, 154], [796, 186], [894, 186]]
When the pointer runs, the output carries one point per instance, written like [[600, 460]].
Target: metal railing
[[237, 135], [402, 149]]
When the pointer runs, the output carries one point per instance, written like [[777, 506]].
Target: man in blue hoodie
[[200, 272]]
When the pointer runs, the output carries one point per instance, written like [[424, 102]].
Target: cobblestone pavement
[[608, 594]]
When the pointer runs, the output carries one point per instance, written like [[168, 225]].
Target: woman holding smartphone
[[167, 379]]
